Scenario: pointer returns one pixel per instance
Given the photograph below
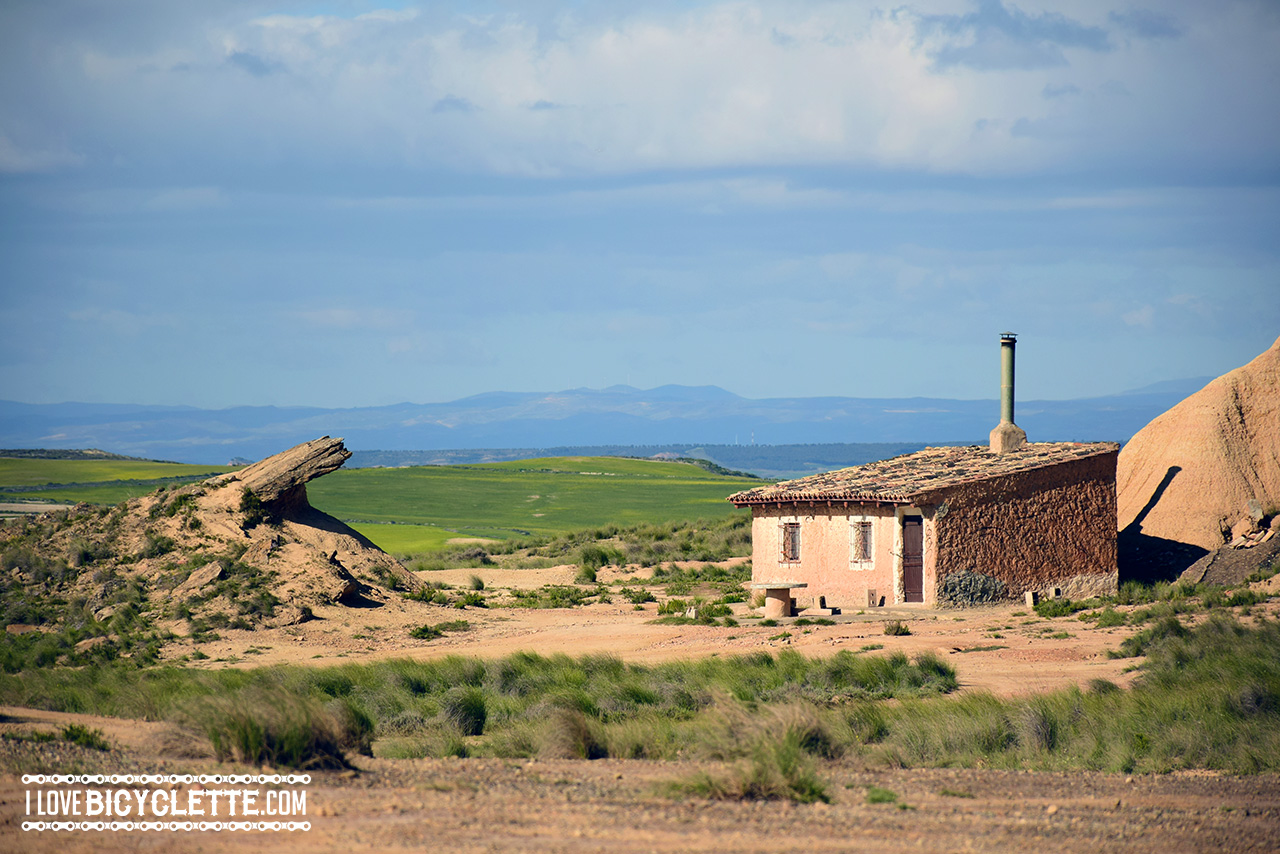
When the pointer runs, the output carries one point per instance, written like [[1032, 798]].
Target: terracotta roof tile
[[901, 479]]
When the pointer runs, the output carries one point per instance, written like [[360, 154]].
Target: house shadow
[[1147, 559]]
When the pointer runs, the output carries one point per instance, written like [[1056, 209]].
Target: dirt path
[[477, 805]]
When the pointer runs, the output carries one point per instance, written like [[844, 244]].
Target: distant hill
[[769, 461], [66, 454], [619, 415]]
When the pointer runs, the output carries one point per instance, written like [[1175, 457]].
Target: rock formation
[[282, 479], [240, 549], [1203, 474]]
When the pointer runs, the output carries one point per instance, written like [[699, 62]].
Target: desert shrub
[[436, 742], [277, 727], [476, 583], [880, 795], [551, 596], [1050, 608], [84, 552], [427, 593], [1107, 618], [1246, 598], [778, 765], [637, 596], [568, 733], [255, 512], [673, 606], [896, 627], [1103, 686], [593, 557], [431, 632], [85, 737], [470, 599], [1138, 644], [464, 707]]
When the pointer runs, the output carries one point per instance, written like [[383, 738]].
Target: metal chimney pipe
[[1007, 436], [1008, 341]]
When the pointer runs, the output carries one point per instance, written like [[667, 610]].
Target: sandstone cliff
[[1206, 471]]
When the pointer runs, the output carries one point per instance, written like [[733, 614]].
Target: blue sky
[[351, 203]]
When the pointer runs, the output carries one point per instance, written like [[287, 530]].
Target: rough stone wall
[[1052, 527], [825, 564]]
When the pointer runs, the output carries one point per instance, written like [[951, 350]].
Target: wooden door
[[913, 559]]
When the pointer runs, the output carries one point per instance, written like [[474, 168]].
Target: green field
[[92, 481], [412, 510], [408, 539], [516, 499], [32, 472]]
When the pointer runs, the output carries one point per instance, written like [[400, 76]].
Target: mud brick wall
[[1052, 527]]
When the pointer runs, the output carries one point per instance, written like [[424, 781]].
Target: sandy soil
[[475, 805], [615, 805], [1004, 649]]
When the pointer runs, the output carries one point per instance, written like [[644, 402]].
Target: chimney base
[[1007, 437]]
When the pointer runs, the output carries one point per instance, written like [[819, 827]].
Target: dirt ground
[[482, 805], [1005, 649], [485, 805]]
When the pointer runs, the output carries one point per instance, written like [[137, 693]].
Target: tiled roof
[[901, 479]]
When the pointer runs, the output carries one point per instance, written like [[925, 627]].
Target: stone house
[[951, 525], [943, 526]]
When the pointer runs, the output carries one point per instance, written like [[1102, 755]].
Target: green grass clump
[[1051, 608], [878, 795], [277, 727], [775, 771], [896, 628], [308, 717], [1138, 644], [1107, 618], [1207, 697], [85, 737], [431, 632], [470, 599], [464, 707], [552, 596], [637, 596]]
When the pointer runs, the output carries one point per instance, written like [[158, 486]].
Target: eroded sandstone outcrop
[[243, 549], [1205, 473]]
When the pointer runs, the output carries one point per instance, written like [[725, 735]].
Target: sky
[[348, 204]]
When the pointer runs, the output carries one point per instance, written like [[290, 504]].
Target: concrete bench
[[777, 597]]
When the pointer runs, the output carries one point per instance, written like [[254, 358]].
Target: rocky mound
[[1203, 474], [1234, 565], [240, 550]]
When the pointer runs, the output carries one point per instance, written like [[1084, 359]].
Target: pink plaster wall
[[824, 553]]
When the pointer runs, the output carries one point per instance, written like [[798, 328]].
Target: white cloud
[[186, 199], [1141, 316], [21, 159], [722, 85], [354, 318], [122, 323]]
